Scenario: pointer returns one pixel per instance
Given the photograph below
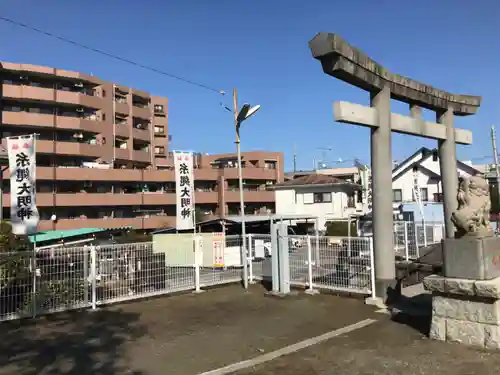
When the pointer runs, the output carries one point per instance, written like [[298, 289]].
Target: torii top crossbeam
[[347, 63]]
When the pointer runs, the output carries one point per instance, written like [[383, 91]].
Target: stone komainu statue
[[473, 214]]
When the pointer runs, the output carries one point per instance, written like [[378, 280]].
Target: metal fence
[[67, 278], [333, 263], [318, 262], [410, 236]]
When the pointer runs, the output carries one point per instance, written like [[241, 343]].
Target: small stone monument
[[466, 299]]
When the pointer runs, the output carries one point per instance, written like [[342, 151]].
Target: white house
[[421, 170], [322, 196]]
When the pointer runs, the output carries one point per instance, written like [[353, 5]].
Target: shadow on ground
[[415, 312], [75, 343]]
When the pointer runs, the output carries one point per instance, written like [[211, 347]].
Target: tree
[[9, 242], [199, 215]]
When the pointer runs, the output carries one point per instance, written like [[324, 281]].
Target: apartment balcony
[[21, 92], [142, 134], [142, 156], [141, 93], [206, 174], [74, 123], [122, 153], [77, 98], [261, 196], [122, 130], [159, 199], [122, 108], [28, 119], [95, 174], [50, 121], [42, 200], [158, 176], [202, 197], [250, 173], [69, 148], [152, 222], [89, 174], [28, 68], [83, 199], [141, 112], [97, 199]]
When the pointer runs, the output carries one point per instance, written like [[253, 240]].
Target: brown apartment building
[[103, 158]]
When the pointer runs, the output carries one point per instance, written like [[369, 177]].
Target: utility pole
[[497, 167], [294, 158]]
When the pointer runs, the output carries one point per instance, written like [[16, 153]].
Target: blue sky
[[260, 47]]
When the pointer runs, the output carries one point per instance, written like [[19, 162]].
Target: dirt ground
[[177, 335], [384, 348], [194, 333]]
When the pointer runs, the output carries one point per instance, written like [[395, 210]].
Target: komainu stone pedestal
[[465, 311], [471, 257]]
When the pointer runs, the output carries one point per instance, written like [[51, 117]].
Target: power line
[[108, 54]]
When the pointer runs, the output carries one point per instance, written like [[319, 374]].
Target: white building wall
[[405, 181], [293, 201]]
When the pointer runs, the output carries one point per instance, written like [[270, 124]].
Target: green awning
[[52, 235]]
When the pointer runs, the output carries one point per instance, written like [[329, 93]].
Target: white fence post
[[372, 267], [310, 289], [407, 250], [415, 233], [34, 291], [198, 255], [93, 275], [250, 259], [424, 226]]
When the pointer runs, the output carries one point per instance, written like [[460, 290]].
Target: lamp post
[[245, 112]]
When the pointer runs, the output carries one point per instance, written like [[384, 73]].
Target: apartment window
[[438, 197], [103, 93], [12, 108], [397, 195], [322, 197], [351, 201], [103, 117], [158, 108], [159, 150], [269, 164], [159, 130], [424, 194]]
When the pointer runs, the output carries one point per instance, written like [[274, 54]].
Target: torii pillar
[[349, 64]]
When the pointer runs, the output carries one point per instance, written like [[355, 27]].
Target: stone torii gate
[[349, 64]]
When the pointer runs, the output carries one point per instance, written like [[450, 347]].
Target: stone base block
[[465, 311], [472, 257]]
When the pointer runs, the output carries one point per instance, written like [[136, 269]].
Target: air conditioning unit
[[79, 109], [79, 84]]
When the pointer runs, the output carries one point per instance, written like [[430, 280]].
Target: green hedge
[[340, 228]]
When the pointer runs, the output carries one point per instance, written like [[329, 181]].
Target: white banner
[[22, 164], [184, 186]]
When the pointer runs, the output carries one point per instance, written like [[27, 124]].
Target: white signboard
[[184, 182], [22, 164], [218, 243]]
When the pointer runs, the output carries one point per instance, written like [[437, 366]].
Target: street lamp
[[246, 112]]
